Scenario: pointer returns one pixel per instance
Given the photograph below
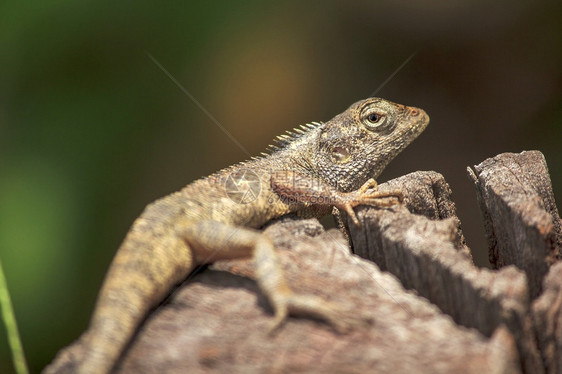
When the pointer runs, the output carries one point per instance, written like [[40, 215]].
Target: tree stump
[[411, 273]]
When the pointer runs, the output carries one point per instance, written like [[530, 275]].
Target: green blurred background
[[91, 130]]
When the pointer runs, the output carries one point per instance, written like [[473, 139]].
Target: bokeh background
[[91, 130]]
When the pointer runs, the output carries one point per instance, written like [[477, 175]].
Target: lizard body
[[321, 166]]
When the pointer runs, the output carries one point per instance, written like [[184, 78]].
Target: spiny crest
[[232, 168], [283, 140]]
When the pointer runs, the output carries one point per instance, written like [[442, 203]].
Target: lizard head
[[357, 144]]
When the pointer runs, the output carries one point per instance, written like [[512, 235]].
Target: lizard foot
[[311, 306], [368, 194]]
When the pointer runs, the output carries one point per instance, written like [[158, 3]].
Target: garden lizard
[[311, 170]]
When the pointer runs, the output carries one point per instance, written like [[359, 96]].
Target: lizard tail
[[144, 270], [135, 283]]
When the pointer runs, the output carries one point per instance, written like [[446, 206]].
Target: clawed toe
[[383, 201], [341, 320], [281, 316], [370, 184]]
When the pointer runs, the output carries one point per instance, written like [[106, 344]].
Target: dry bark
[[432, 309], [218, 321], [523, 228], [547, 317], [519, 212], [427, 256]]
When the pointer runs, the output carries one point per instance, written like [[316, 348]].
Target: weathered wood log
[[523, 228], [432, 309], [520, 216], [547, 318], [218, 321], [424, 254], [427, 193]]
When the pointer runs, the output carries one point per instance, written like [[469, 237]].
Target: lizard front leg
[[297, 188], [211, 241], [367, 194]]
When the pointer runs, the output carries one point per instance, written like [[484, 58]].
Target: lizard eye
[[374, 121], [373, 118], [340, 155]]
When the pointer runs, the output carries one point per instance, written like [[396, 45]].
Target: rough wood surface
[[424, 254], [218, 320], [547, 317], [427, 193], [520, 216], [455, 317]]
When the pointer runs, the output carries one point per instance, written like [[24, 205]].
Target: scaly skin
[[328, 164]]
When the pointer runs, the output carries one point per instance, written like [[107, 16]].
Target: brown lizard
[[313, 169]]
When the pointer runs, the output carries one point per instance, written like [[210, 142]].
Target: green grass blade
[[11, 327]]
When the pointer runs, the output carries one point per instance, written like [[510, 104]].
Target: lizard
[[311, 171]]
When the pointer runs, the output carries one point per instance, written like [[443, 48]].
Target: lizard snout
[[419, 114]]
